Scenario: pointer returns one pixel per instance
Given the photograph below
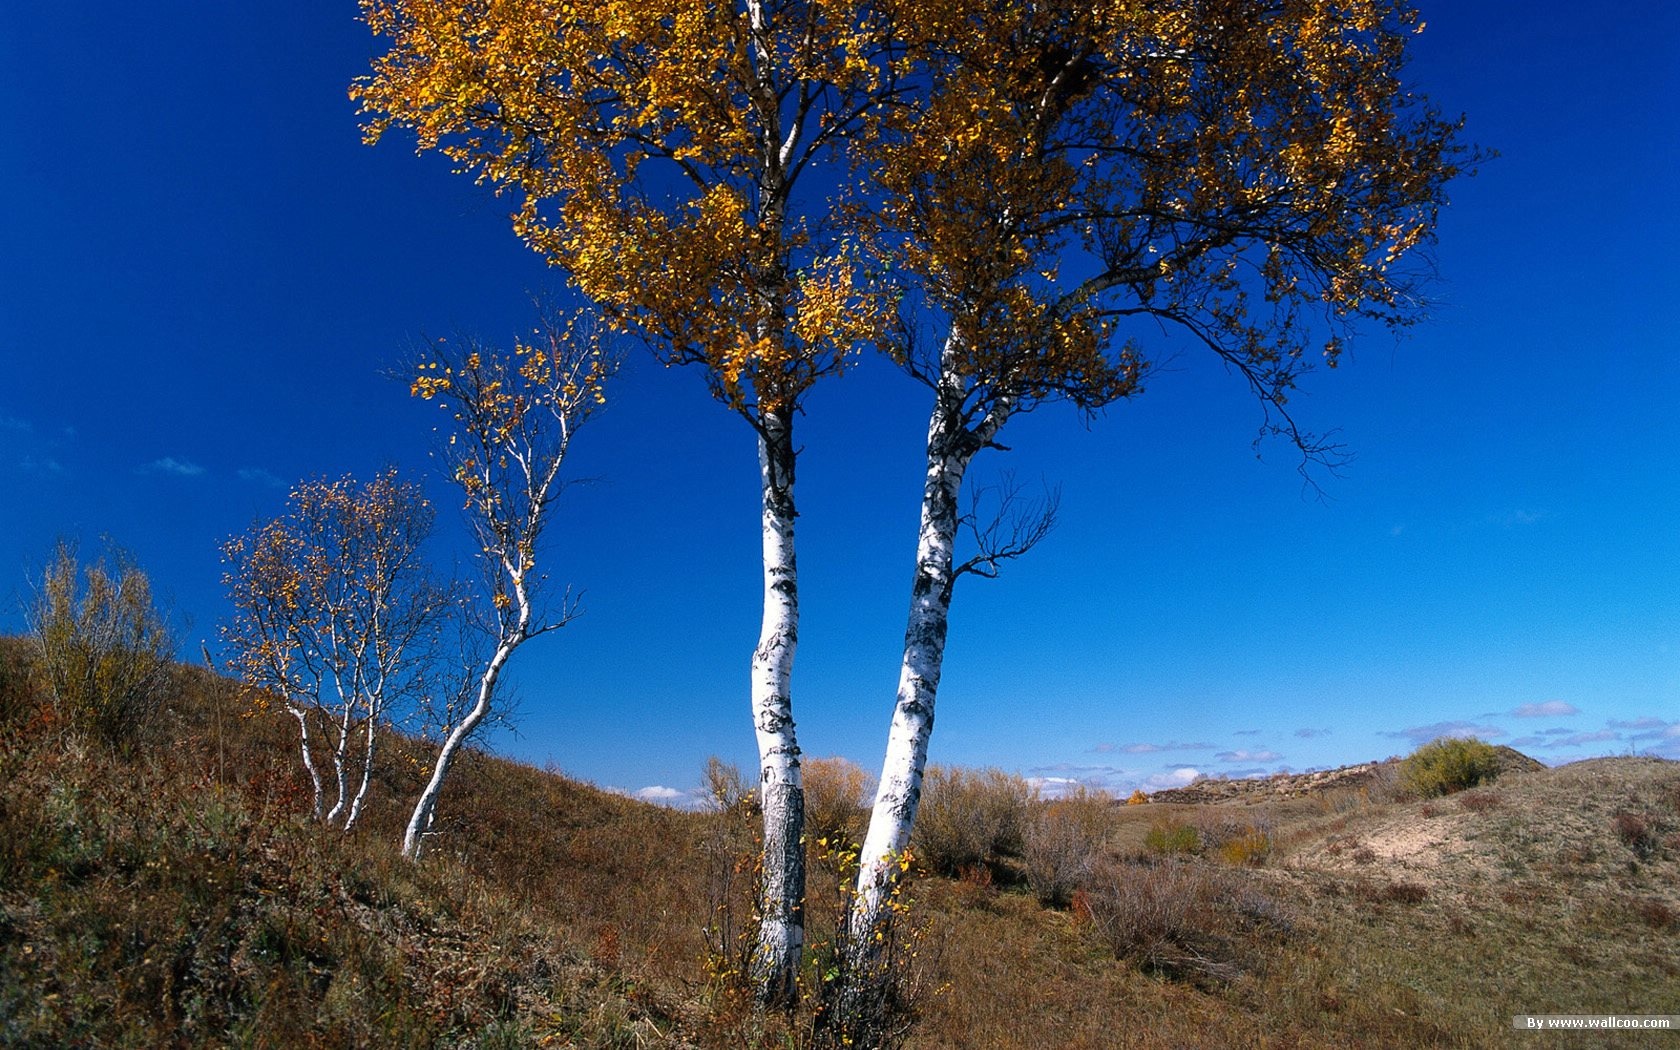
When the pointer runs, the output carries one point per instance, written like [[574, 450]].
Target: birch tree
[[1250, 173], [512, 417], [654, 150], [335, 615]]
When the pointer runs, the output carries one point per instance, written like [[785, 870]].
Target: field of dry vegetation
[[177, 895]]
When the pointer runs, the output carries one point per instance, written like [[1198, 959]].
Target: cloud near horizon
[[1434, 730], [1245, 755], [1547, 709], [1144, 748]]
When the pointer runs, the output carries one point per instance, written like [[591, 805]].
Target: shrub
[[1481, 801], [1169, 837], [1137, 798], [1062, 843], [1179, 917], [1636, 833], [970, 817], [837, 794], [103, 646], [1449, 764], [1249, 847]]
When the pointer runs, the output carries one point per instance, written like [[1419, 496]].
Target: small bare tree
[[512, 417], [337, 615]]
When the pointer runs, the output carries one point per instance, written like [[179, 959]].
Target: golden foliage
[[653, 149]]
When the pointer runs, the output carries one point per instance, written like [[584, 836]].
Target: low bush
[[104, 649], [1481, 801], [1447, 765], [1172, 837], [1636, 833], [970, 817], [1181, 918], [837, 797], [1063, 842]]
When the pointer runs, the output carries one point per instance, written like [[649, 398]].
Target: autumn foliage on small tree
[[337, 617], [512, 417]]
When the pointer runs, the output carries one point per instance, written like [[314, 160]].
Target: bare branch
[[1011, 528]]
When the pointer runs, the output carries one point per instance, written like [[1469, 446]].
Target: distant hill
[[1368, 776]]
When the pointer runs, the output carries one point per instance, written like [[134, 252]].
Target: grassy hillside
[[180, 897]]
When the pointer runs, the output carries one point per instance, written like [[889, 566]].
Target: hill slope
[[181, 898]]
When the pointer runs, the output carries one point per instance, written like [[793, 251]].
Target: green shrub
[[1168, 837], [1449, 764], [970, 817], [104, 648]]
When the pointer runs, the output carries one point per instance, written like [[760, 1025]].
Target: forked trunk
[[367, 775], [781, 931]]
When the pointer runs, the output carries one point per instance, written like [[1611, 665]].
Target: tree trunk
[[781, 931], [421, 821], [951, 447], [900, 787], [302, 717], [367, 774]]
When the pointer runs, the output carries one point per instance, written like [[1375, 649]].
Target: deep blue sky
[[203, 273]]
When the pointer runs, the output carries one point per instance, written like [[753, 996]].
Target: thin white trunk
[[950, 448], [781, 931], [900, 790], [424, 809], [302, 717], [340, 778], [367, 776]]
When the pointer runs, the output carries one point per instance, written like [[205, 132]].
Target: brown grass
[[180, 898]]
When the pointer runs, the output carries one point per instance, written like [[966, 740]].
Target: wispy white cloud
[[13, 423], [1545, 709], [1246, 732], [1523, 516], [1245, 755], [1149, 749], [40, 465], [1309, 734], [170, 465], [1577, 739], [259, 476], [1646, 722], [1172, 778], [675, 798], [1424, 734]]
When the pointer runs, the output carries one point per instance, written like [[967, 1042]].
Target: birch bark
[[425, 808], [781, 930], [952, 443]]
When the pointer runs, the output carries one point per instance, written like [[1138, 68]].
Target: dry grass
[[179, 898]]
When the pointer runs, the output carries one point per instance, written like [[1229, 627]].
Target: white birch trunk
[[367, 776], [781, 930], [900, 790], [420, 822], [302, 717], [950, 449]]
